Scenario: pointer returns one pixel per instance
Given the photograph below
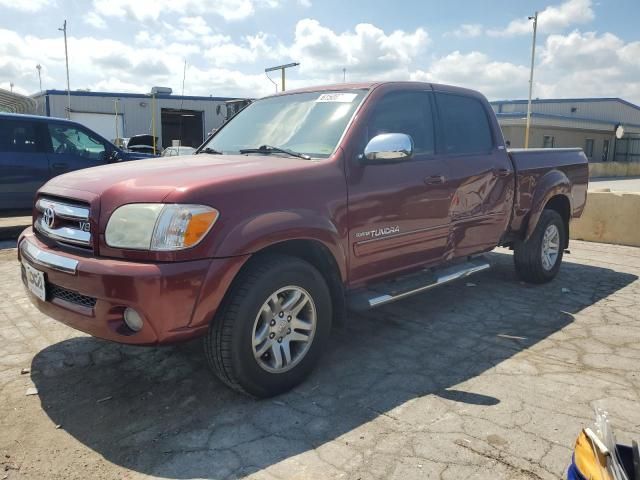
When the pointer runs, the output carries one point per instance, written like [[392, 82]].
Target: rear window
[[464, 124], [17, 136]]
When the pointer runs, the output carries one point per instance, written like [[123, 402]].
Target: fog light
[[132, 319]]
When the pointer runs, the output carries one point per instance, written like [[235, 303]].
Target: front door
[[397, 211], [74, 148], [481, 175]]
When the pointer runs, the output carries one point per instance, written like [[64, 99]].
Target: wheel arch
[[552, 192], [320, 257]]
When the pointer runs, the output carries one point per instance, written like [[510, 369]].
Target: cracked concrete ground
[[489, 379]]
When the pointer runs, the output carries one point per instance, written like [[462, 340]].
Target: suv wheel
[[538, 259], [272, 326]]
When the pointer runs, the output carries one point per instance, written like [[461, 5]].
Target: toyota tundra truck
[[305, 205]]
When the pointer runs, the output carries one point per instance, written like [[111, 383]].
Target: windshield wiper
[[210, 150], [267, 149]]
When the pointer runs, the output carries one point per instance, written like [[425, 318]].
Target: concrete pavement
[[488, 378]]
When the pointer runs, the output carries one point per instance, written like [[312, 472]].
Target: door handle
[[502, 172], [434, 180]]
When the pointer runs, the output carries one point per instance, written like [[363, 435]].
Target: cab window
[[67, 139], [405, 112], [464, 124]]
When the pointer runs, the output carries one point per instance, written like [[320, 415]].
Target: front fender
[[551, 184], [259, 232]]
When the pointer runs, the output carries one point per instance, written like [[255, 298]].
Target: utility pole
[[344, 75], [39, 68], [115, 106], [11, 86], [533, 59], [153, 119], [66, 57], [282, 68]]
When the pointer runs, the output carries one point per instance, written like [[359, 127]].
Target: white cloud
[[196, 25], [153, 53], [553, 18], [222, 50], [367, 51], [26, 5], [477, 71], [151, 10], [466, 30], [305, 3], [588, 64], [95, 20]]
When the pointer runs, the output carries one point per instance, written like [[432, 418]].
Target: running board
[[405, 286]]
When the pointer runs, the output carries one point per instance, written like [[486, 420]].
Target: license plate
[[35, 281]]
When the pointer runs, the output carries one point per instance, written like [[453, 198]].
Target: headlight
[[159, 226]]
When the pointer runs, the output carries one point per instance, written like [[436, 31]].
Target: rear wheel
[[272, 327], [538, 259]]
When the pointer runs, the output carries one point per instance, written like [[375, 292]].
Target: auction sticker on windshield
[[337, 97], [35, 281]]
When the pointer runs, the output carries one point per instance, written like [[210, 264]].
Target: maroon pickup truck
[[302, 206]]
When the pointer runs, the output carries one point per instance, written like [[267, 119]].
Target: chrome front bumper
[[46, 259]]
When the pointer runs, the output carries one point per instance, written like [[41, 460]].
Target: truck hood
[[154, 179]]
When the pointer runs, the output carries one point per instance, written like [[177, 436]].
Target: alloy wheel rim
[[550, 247], [284, 329]]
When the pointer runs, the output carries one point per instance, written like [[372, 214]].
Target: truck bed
[[540, 172]]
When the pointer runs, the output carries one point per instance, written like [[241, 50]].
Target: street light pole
[[39, 68], [66, 57], [533, 59], [282, 68]]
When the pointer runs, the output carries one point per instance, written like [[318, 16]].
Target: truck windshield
[[307, 123]]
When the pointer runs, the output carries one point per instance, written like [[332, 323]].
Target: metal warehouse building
[[113, 115], [588, 123]]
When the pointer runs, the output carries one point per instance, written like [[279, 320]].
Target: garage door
[[103, 123]]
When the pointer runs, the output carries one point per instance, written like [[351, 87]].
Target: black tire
[[528, 255], [228, 344]]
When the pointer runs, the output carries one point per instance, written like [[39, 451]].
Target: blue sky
[[584, 48]]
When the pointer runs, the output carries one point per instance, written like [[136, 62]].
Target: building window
[[605, 150], [588, 147], [548, 141]]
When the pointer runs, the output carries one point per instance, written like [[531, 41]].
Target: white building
[[588, 123], [185, 118]]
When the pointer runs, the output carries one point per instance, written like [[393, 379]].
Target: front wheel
[[538, 259], [272, 327]]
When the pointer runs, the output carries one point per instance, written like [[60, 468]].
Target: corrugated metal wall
[[608, 110], [135, 110]]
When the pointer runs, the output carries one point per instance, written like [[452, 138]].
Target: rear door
[[73, 148], [397, 211], [23, 162], [481, 175]]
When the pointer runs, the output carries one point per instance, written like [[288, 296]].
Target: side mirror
[[388, 147], [114, 156]]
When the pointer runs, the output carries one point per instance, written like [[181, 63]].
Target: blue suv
[[34, 149]]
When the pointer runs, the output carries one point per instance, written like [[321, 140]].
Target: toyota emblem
[[49, 217]]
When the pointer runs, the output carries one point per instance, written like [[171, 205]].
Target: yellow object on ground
[[591, 463]]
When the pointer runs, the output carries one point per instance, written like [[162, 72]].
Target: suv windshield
[[308, 123]]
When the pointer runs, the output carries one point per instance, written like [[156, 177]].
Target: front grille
[[64, 221], [70, 296]]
